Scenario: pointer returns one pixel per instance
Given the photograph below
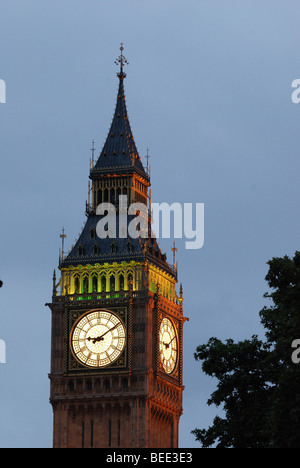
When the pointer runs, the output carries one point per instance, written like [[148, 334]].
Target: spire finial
[[92, 160], [174, 250], [63, 237], [122, 61], [93, 149], [148, 167]]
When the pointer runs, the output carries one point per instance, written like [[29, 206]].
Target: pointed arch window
[[113, 247], [121, 281], [112, 282], [103, 283], [77, 284], [95, 283], [129, 246], [129, 280], [85, 284], [96, 249]]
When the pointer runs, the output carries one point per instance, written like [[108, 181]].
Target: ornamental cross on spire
[[121, 60]]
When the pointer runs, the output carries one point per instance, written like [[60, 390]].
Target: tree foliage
[[258, 383]]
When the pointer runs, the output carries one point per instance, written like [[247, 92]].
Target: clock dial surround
[[168, 346], [98, 338]]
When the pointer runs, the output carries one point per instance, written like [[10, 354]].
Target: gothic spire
[[119, 151]]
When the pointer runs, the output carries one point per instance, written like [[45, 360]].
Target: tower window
[[113, 248], [121, 281], [107, 384], [92, 233], [96, 249], [103, 283], [95, 283], [71, 386], [80, 251], [85, 284], [129, 247], [112, 282], [77, 284], [129, 280]]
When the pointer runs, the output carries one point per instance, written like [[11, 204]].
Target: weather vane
[[121, 60]]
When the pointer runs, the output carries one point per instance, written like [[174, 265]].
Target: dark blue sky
[[208, 90]]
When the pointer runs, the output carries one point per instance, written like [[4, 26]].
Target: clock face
[[168, 345], [98, 338]]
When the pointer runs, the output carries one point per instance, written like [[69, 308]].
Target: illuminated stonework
[[100, 278], [115, 278]]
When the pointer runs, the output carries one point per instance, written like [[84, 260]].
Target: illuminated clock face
[[168, 345], [98, 338]]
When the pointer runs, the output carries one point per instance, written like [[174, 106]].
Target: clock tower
[[117, 319]]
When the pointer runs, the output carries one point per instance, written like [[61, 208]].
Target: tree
[[258, 383]]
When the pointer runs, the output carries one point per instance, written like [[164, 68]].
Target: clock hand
[[110, 329], [167, 345], [100, 338], [94, 340]]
